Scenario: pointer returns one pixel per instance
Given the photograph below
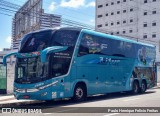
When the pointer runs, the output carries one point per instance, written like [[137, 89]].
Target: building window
[[124, 11], [99, 6], [111, 33], [154, 24], [154, 0], [130, 31], [145, 13], [107, 4], [124, 0], [131, 20], [112, 13], [124, 21], [117, 32], [153, 35], [145, 1], [144, 36], [106, 14], [112, 3], [118, 12], [154, 12], [131, 9], [99, 16], [145, 25], [99, 26], [112, 24], [106, 24], [124, 32], [118, 2], [118, 22]]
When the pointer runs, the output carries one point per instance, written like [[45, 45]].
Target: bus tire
[[135, 88], [80, 93], [143, 87]]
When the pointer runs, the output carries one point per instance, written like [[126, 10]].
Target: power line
[[5, 14], [59, 12], [70, 23], [65, 20]]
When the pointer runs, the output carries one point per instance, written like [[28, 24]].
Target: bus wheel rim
[[79, 93]]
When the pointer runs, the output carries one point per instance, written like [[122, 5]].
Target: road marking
[[47, 113], [66, 110], [131, 99], [111, 114]]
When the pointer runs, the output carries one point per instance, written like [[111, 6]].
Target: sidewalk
[[10, 101]]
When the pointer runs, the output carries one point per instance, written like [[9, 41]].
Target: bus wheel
[[135, 89], [80, 93], [143, 87]]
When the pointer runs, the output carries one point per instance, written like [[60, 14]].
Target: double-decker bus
[[76, 63]]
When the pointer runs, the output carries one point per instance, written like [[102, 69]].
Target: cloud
[[72, 3], [92, 21], [8, 39], [91, 4], [52, 7], [0, 49]]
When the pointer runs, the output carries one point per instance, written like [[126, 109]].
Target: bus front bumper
[[33, 94]]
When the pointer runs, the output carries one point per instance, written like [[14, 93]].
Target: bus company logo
[[104, 46], [109, 61]]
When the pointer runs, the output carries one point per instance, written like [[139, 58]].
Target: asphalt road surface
[[101, 105]]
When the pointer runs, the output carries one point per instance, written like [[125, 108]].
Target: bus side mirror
[[52, 49], [6, 56]]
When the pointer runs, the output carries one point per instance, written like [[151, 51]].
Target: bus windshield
[[35, 42], [31, 70]]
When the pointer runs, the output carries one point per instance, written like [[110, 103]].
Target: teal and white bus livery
[[76, 63]]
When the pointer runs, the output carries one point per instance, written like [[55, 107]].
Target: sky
[[78, 10]]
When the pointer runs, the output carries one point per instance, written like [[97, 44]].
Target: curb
[[19, 103]]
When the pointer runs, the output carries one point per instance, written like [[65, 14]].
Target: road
[[98, 105]]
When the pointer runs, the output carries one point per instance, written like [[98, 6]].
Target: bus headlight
[[20, 90], [32, 90], [25, 90]]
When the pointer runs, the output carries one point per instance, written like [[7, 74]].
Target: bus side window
[[83, 51], [83, 48]]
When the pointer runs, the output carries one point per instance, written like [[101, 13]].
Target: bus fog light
[[44, 94]]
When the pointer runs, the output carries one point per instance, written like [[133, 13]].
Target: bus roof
[[57, 28], [95, 33], [114, 37]]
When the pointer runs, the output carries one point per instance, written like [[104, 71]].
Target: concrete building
[[31, 17], [46, 21], [137, 19], [50, 21]]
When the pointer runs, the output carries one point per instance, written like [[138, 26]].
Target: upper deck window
[[65, 38], [35, 42]]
